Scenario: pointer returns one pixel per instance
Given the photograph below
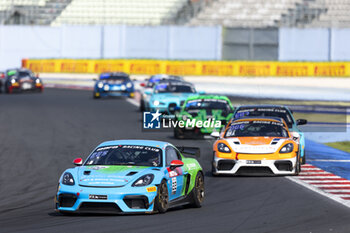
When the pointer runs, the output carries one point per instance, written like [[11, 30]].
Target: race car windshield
[[155, 79], [266, 112], [115, 79], [126, 155], [256, 129], [207, 104], [23, 75], [174, 88]]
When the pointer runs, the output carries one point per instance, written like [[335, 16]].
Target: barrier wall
[[92, 42], [209, 68], [314, 44], [303, 44]]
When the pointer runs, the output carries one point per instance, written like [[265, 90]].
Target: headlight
[[129, 85], [156, 103], [37, 80], [13, 80], [106, 88], [100, 84], [123, 87], [287, 148], [68, 179], [223, 148], [144, 180]]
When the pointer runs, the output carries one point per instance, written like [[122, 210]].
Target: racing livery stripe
[[325, 183]]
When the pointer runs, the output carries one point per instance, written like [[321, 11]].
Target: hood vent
[[237, 142], [131, 173], [275, 141], [87, 173]]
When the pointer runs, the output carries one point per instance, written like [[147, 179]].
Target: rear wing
[[194, 151]]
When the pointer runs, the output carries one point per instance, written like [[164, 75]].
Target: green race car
[[201, 115]]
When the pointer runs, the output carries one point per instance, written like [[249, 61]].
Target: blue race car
[[131, 176], [276, 111], [113, 84], [167, 97], [151, 82]]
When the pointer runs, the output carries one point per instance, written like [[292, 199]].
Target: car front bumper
[[254, 167], [106, 200]]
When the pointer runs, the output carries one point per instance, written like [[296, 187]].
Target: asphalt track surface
[[40, 134]]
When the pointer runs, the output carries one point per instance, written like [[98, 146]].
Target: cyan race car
[[213, 111], [148, 86], [276, 111], [131, 176], [114, 84], [167, 97]]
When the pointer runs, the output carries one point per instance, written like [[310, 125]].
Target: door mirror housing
[[142, 84], [215, 134], [176, 163], [78, 161], [301, 122], [148, 92]]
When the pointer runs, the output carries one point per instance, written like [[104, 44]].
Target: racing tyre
[[178, 134], [142, 106], [161, 203], [298, 166], [213, 171], [96, 95], [198, 191], [304, 159]]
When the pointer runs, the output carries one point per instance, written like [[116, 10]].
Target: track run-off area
[[40, 135]]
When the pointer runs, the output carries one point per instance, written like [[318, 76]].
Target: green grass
[[344, 146]]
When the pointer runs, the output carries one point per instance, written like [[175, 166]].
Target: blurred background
[[263, 30]]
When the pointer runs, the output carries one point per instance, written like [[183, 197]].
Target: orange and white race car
[[256, 146]]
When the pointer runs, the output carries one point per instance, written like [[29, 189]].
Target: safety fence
[[205, 68]]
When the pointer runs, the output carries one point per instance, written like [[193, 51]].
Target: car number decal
[[173, 185]]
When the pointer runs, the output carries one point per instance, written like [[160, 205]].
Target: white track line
[[330, 160], [334, 197], [133, 102], [324, 183]]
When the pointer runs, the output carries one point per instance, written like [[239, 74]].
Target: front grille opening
[[225, 165], [99, 206], [67, 200], [136, 202], [254, 171], [284, 165]]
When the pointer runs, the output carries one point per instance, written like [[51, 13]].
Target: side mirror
[[142, 84], [176, 163], [148, 92], [301, 122], [201, 92], [78, 162], [215, 134]]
